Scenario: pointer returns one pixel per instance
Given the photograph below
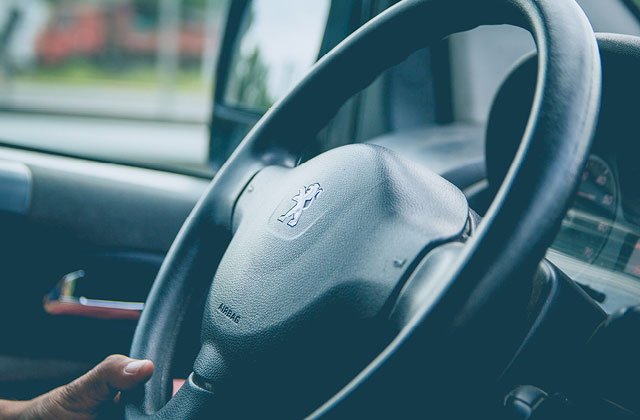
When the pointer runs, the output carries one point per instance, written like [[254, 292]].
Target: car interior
[[403, 209]]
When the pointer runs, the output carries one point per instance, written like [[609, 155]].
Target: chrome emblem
[[303, 200]]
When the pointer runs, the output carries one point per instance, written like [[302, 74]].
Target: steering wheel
[[332, 282]]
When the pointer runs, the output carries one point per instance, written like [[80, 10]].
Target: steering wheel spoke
[[192, 401], [428, 282]]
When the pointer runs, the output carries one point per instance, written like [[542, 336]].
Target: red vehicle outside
[[80, 30], [90, 30]]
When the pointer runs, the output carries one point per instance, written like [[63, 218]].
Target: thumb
[[88, 395], [113, 374]]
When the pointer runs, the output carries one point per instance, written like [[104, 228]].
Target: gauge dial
[[588, 223]]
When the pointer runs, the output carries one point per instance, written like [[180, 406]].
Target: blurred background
[[132, 81], [115, 75]]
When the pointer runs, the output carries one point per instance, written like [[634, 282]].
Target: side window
[[277, 43], [122, 80]]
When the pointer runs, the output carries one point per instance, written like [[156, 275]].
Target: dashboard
[[598, 243]]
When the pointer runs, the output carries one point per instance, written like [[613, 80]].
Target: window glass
[[126, 80], [278, 42]]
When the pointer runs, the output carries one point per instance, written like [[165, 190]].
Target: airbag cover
[[307, 290]]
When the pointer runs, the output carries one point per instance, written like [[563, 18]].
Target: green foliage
[[81, 72], [248, 85]]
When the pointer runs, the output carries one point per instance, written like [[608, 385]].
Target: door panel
[[113, 222]]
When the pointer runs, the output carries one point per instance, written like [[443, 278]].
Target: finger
[[115, 373], [101, 384]]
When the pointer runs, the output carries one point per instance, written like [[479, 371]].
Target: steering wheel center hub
[[292, 287]]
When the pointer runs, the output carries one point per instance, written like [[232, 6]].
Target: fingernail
[[134, 367]]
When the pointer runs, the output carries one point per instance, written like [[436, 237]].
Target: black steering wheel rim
[[509, 243]]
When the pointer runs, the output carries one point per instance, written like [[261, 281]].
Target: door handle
[[62, 300]]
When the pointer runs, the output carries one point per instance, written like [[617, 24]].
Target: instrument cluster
[[598, 244]]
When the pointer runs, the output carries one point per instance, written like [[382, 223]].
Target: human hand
[[92, 396]]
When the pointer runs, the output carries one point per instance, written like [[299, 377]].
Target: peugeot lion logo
[[303, 200]]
